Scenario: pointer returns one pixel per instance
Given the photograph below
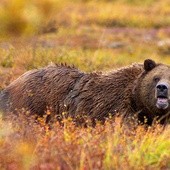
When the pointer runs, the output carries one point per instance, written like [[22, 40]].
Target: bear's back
[[36, 89]]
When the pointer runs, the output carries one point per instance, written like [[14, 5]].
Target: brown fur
[[64, 89], [144, 95]]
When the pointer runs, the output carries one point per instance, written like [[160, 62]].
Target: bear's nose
[[162, 87], [162, 90]]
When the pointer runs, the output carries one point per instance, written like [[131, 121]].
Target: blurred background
[[91, 34]]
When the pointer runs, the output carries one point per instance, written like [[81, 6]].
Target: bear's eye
[[156, 79]]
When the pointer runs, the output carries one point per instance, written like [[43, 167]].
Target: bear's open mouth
[[162, 102]]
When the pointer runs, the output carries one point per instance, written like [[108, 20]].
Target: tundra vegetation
[[94, 36]]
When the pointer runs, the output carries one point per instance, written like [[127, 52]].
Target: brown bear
[[139, 90]]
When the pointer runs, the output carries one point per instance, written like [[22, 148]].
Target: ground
[[94, 36]]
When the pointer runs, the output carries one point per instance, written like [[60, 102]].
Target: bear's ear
[[149, 64]]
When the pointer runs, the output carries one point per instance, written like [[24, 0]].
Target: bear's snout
[[162, 97], [162, 90]]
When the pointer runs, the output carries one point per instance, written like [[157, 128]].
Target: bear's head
[[152, 90]]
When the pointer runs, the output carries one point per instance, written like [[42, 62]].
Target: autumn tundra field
[[93, 36]]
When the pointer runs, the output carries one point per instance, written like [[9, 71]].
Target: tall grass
[[30, 145]]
